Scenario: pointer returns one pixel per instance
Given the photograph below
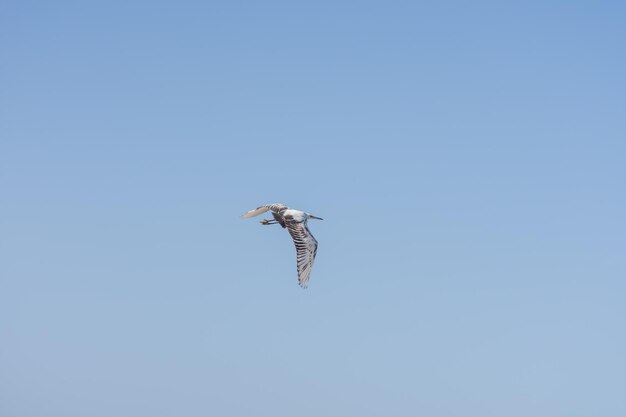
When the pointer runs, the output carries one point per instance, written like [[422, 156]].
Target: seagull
[[296, 223]]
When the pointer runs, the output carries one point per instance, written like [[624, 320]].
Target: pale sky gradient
[[469, 160]]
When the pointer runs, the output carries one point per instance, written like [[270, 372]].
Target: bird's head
[[310, 216]]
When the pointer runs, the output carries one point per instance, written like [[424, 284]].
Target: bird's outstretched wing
[[255, 212], [306, 248], [260, 210]]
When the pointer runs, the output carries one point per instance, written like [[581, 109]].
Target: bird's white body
[[295, 221], [298, 216]]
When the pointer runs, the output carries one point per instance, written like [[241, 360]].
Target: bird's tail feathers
[[254, 212]]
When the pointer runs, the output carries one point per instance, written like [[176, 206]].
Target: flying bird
[[295, 221]]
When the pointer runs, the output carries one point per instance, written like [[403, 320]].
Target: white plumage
[[255, 212], [295, 221]]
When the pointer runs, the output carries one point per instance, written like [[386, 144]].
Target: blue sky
[[468, 160]]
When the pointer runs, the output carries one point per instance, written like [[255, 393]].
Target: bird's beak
[[315, 217]]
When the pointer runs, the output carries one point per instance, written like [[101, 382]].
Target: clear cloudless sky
[[469, 160]]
